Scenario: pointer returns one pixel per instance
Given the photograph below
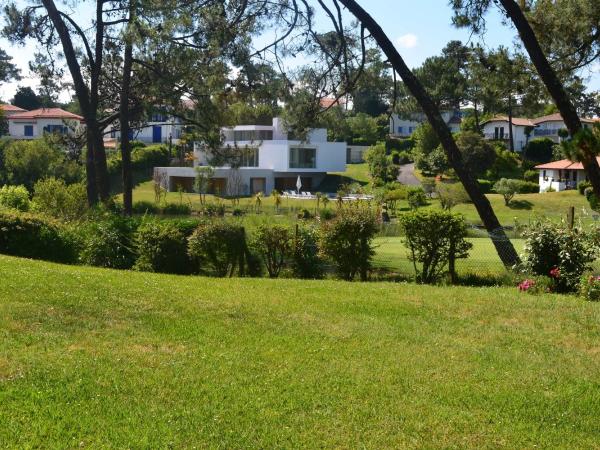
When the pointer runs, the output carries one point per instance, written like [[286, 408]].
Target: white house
[[404, 127], [561, 175], [272, 160], [33, 124], [498, 128], [550, 126], [161, 128]]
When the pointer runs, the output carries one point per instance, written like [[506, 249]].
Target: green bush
[[485, 186], [347, 241], [14, 197], [552, 247], [434, 240], [382, 170], [582, 186], [416, 197], [528, 187], [214, 210], [220, 248], [161, 247], [539, 150], [32, 236], [589, 287], [274, 244], [508, 188], [176, 209], [327, 214], [451, 194], [55, 198], [108, 242], [144, 207], [531, 175], [306, 261], [146, 158]]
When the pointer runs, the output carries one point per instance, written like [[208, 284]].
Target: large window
[[28, 130], [303, 158], [253, 135], [250, 157], [59, 129]]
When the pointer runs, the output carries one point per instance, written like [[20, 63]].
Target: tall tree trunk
[[511, 137], [90, 171], [124, 126], [504, 247], [554, 86], [476, 112]]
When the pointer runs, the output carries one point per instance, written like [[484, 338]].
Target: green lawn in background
[[96, 358]]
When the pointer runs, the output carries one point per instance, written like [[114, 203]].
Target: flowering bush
[[554, 251], [526, 285], [537, 285], [589, 287]]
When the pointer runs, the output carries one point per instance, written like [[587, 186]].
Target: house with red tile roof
[[9, 110], [550, 126], [561, 175], [33, 124]]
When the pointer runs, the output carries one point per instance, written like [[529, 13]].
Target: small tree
[[14, 197], [55, 198], [274, 244], [416, 197], [451, 194], [508, 188], [347, 241], [381, 168], [202, 181], [306, 262], [434, 239]]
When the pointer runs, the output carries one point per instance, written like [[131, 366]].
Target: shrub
[[57, 199], [146, 158], [108, 242], [327, 214], [485, 186], [539, 150], [531, 176], [305, 214], [582, 186], [274, 245], [477, 153], [381, 167], [38, 237], [553, 250], [528, 187], [508, 188], [220, 248], [347, 241], [143, 207], [214, 210], [161, 247], [306, 262], [451, 194], [14, 197], [176, 209], [589, 287], [416, 197], [434, 239]]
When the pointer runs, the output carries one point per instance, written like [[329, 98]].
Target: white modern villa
[[402, 127], [272, 160], [33, 124]]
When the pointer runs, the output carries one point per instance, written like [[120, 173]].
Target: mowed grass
[[392, 254], [94, 358]]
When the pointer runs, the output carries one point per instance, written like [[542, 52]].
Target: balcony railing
[[546, 132], [495, 136]]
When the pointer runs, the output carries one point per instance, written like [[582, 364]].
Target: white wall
[[16, 129], [551, 178], [403, 127], [519, 136], [549, 130]]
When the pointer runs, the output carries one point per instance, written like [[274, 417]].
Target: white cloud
[[408, 40]]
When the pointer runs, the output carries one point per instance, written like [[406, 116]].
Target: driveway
[[407, 175]]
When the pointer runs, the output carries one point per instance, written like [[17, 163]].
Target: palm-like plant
[[276, 199], [258, 201]]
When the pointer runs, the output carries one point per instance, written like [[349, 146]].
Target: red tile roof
[[46, 113], [519, 121], [7, 107], [564, 164], [556, 117]]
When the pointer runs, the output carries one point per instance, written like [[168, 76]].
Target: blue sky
[[419, 29]]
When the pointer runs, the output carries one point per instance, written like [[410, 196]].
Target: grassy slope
[[96, 358]]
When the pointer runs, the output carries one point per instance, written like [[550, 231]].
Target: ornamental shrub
[[582, 186], [485, 186], [555, 251], [108, 242], [220, 248], [144, 207], [161, 247], [347, 241], [589, 287], [416, 197], [274, 244], [434, 239], [14, 197], [531, 176], [55, 198], [508, 188], [176, 209], [306, 261], [32, 236], [451, 194]]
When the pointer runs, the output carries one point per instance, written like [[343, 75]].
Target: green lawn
[[95, 358]]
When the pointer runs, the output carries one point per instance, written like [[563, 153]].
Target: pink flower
[[555, 272], [526, 284]]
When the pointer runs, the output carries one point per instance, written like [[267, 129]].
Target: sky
[[419, 29]]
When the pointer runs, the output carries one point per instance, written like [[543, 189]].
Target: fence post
[[571, 217]]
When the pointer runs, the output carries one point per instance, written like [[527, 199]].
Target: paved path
[[407, 175]]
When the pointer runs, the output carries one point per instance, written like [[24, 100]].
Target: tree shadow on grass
[[520, 204]]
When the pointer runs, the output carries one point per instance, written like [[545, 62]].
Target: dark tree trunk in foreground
[[511, 137], [554, 86], [504, 247], [124, 126]]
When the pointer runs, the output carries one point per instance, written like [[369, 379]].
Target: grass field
[[94, 358]]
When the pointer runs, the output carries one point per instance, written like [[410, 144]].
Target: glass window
[[28, 131], [253, 135], [399, 130], [303, 158], [250, 157]]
